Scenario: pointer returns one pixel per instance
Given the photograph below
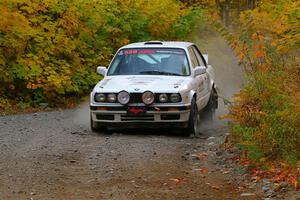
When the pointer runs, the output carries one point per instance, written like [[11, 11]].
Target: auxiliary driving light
[[148, 97], [123, 97]]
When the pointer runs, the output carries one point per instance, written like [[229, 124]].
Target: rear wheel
[[96, 126], [194, 121]]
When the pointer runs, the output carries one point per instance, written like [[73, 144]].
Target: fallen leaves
[[226, 171], [275, 172], [203, 170], [178, 180], [213, 186], [202, 155], [240, 189]]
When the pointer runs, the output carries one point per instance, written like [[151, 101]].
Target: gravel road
[[54, 155]]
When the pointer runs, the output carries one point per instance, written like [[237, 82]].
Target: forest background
[[49, 50]]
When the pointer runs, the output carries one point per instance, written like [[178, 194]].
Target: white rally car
[[154, 84]]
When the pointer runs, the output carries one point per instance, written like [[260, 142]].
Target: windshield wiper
[[155, 72]]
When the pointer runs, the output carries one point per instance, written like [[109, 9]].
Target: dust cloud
[[229, 75]]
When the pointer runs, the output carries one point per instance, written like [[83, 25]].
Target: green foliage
[[50, 49]]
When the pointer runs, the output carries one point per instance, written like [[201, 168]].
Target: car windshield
[[150, 61]]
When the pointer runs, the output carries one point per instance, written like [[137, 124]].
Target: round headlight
[[148, 98], [123, 97], [111, 98], [163, 98], [174, 98], [99, 97]]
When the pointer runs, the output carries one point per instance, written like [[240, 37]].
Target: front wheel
[[194, 120], [212, 105]]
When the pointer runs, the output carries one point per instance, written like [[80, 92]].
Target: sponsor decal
[[146, 51], [142, 51], [142, 81], [151, 51]]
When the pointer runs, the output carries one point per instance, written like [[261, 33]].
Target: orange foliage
[[266, 112]]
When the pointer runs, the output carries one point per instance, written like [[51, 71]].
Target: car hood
[[142, 83]]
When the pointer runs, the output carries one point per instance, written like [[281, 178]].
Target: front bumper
[[154, 114]]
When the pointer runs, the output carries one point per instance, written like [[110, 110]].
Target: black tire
[[194, 120], [210, 109], [96, 127]]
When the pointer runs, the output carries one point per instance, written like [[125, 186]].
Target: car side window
[[193, 57], [199, 57]]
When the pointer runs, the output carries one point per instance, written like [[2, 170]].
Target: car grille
[[136, 98], [137, 118]]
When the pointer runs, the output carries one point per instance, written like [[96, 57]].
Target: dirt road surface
[[54, 155]]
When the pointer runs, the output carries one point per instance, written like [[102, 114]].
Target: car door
[[202, 62], [199, 82]]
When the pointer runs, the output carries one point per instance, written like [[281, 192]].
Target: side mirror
[[206, 58], [199, 70], [101, 70]]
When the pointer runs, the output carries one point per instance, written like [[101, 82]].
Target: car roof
[[159, 44]]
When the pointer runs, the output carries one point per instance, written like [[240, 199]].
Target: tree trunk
[[227, 13], [237, 9], [221, 10], [251, 4]]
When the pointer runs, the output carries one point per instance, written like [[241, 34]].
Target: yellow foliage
[[50, 48]]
